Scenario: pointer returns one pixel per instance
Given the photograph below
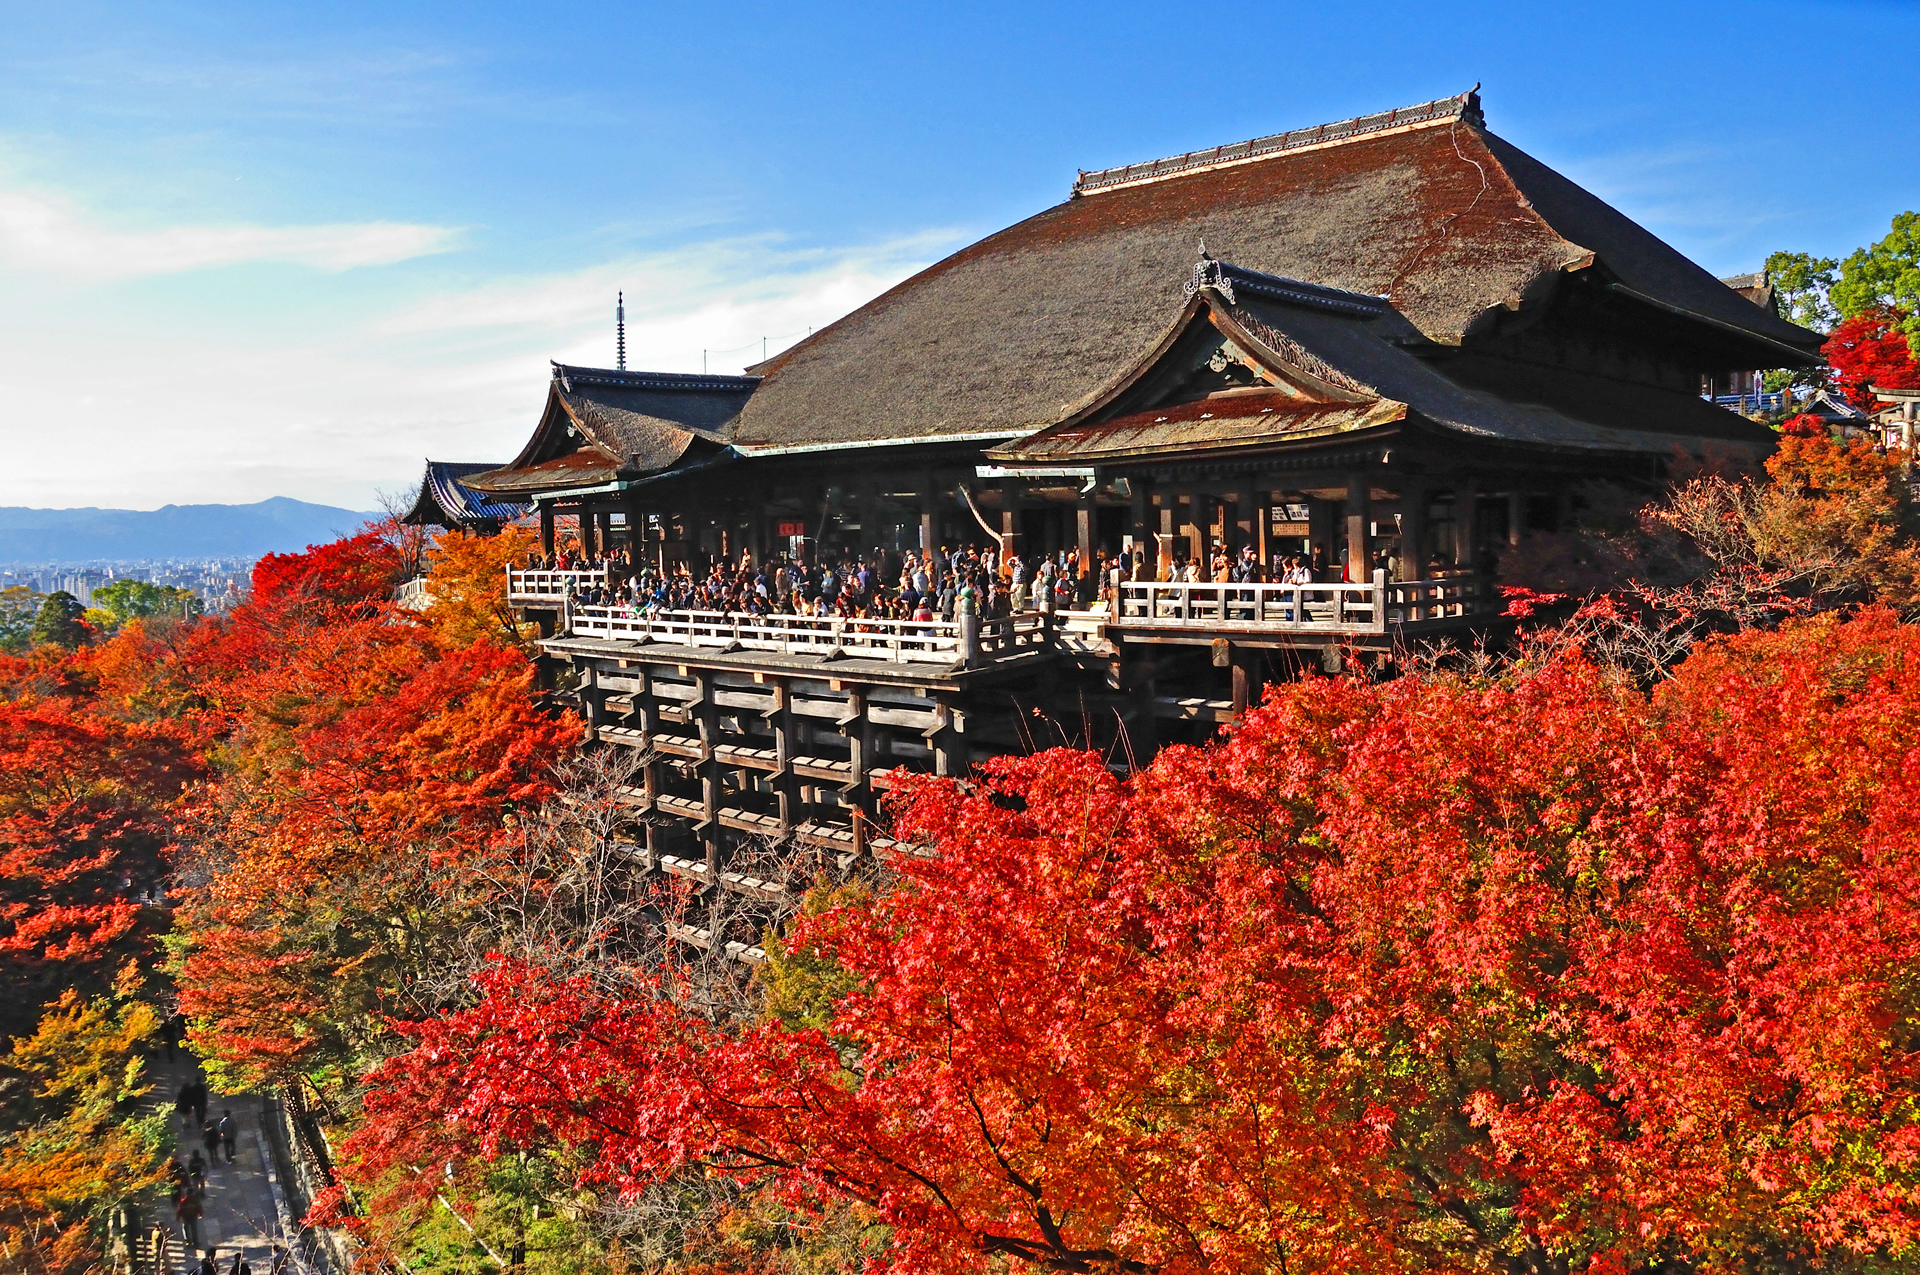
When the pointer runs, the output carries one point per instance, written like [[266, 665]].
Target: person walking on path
[[209, 1265], [225, 1130], [188, 1212], [240, 1264]]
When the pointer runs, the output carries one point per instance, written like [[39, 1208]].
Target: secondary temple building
[[1397, 341]]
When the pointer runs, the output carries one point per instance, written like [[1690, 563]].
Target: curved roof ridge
[[570, 375], [1442, 110]]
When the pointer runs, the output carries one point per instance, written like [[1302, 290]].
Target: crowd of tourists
[[188, 1180], [888, 585]]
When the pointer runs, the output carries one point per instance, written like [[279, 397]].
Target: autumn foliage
[[1871, 349], [1538, 974]]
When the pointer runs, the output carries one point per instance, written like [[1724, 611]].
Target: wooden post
[[585, 520], [546, 529], [927, 545], [783, 780], [1516, 515], [1083, 530], [636, 531], [1009, 520], [709, 722], [1358, 516], [1263, 529], [1196, 530], [1413, 529], [1139, 531], [860, 753], [1163, 569], [1468, 520]]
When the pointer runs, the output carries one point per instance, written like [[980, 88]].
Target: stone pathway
[[244, 1211]]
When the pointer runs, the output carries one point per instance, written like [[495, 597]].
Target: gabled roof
[[1322, 365], [1440, 216], [604, 425], [444, 501], [1756, 288]]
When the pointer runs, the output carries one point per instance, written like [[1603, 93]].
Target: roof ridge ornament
[[1207, 273]]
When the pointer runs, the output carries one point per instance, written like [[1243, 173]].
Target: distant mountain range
[[175, 531]]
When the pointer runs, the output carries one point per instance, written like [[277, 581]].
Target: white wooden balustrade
[[915, 641], [551, 586], [1369, 608]]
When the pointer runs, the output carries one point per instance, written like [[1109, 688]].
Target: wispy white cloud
[[719, 299], [460, 375], [45, 235]]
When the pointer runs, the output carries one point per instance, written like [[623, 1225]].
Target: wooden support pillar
[[1083, 530], [1413, 529], [865, 505], [1164, 546], [1246, 689], [1138, 530], [927, 532], [1359, 514], [859, 746], [592, 701], [636, 531], [1468, 521], [1196, 529], [587, 548], [1322, 535], [1516, 515], [707, 714], [1009, 521], [949, 745], [1263, 527], [546, 529], [648, 710], [785, 789]]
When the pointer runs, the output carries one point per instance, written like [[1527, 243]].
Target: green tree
[[1885, 276], [1801, 282], [18, 606], [130, 599], [58, 623]]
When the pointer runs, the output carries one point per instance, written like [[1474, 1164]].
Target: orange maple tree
[[363, 758]]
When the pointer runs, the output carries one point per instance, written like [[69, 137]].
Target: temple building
[[444, 501], [1415, 320], [1394, 345]]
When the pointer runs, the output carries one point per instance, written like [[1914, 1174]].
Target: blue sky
[[259, 249]]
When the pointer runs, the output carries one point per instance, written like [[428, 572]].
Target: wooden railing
[[917, 641], [1322, 608], [551, 586], [413, 594]]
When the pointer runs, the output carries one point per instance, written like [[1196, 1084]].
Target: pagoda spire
[[620, 331]]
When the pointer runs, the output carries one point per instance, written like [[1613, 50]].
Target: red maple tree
[[1540, 974], [1867, 350]]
